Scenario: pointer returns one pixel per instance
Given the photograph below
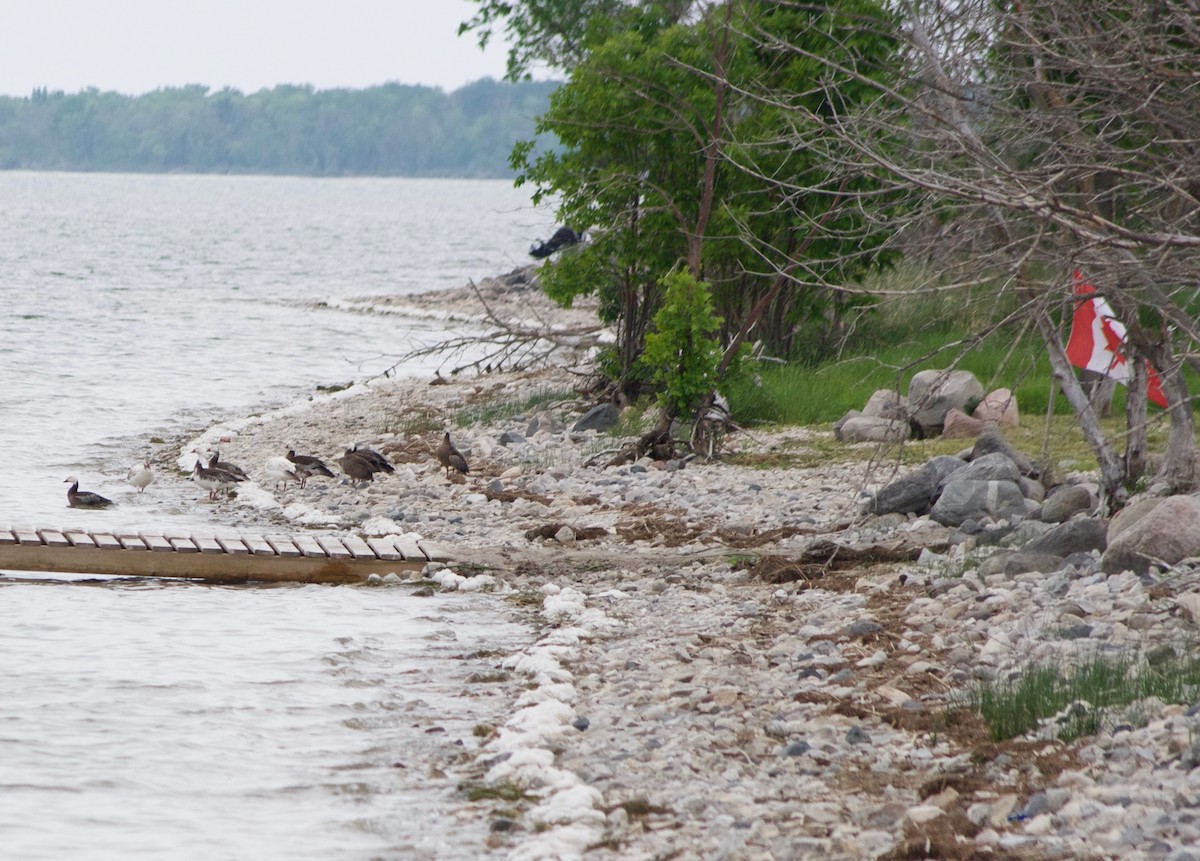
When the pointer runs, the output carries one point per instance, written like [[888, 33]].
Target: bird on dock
[[356, 466], [281, 470], [213, 479], [450, 457], [140, 475], [77, 498], [378, 462], [310, 465]]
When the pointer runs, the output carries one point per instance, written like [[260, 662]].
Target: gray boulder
[[974, 500], [1074, 536], [869, 429], [887, 404], [1066, 501], [915, 492], [991, 441], [1166, 534], [599, 418], [932, 393], [995, 466]]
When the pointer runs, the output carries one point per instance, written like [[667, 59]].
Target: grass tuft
[[1083, 698]]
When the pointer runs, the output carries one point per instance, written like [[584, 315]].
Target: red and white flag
[[1097, 337]]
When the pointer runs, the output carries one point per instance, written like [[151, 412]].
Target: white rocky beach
[[734, 660]]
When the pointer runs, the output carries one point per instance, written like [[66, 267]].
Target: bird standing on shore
[[309, 466], [213, 479], [378, 462], [77, 498], [281, 470], [356, 466], [140, 475], [215, 462], [450, 457]]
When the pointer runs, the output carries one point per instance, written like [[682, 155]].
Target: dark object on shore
[[215, 462], [361, 464], [213, 478], [77, 498], [378, 462], [450, 457], [562, 237], [308, 466]]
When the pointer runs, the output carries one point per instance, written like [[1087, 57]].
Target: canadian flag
[[1096, 340]]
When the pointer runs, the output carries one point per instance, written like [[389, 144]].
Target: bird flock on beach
[[358, 463]]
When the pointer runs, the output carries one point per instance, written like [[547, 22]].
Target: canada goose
[[140, 475], [356, 466], [309, 465], [450, 457], [77, 498], [378, 462]]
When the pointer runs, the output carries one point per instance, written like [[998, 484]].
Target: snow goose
[[281, 471], [213, 479], [140, 475]]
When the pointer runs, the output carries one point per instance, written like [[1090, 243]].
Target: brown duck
[[450, 457]]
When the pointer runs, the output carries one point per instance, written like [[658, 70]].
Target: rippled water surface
[[187, 721], [177, 720], [134, 306]]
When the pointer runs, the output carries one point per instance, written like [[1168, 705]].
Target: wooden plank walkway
[[274, 558]]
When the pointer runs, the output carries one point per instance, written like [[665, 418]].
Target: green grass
[[1013, 708]]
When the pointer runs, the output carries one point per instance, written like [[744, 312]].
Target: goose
[[215, 462], [356, 466], [140, 475], [378, 462], [213, 479], [309, 465], [450, 457], [77, 498], [281, 470]]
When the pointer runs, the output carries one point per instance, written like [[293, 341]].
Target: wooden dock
[[301, 558]]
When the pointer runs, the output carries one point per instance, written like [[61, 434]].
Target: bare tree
[[1040, 138]]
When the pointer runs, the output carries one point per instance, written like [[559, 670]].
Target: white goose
[[140, 475], [281, 471]]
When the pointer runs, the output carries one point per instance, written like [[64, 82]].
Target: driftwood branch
[[508, 343]]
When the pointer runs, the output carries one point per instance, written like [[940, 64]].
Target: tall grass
[[1017, 706]]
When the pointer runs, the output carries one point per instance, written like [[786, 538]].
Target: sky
[[137, 46]]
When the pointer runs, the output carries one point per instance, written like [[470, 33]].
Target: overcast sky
[[135, 46]]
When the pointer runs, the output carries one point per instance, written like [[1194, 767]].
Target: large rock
[[599, 418], [1066, 501], [915, 492], [996, 466], [975, 500], [1166, 533], [870, 429], [992, 440], [887, 404], [959, 425], [932, 393], [998, 407], [1074, 536]]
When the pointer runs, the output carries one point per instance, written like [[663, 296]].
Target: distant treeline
[[389, 130]]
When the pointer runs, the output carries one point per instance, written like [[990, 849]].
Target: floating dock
[[304, 558]]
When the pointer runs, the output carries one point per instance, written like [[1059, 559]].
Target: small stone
[[502, 825], [566, 535], [857, 735], [797, 748], [581, 723]]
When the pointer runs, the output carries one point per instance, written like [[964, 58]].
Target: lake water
[[156, 720]]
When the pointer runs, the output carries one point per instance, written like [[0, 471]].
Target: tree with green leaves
[[667, 162]]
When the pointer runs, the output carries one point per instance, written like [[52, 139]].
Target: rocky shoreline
[[734, 661]]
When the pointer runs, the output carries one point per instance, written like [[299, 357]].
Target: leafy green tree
[[683, 352], [666, 162]]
